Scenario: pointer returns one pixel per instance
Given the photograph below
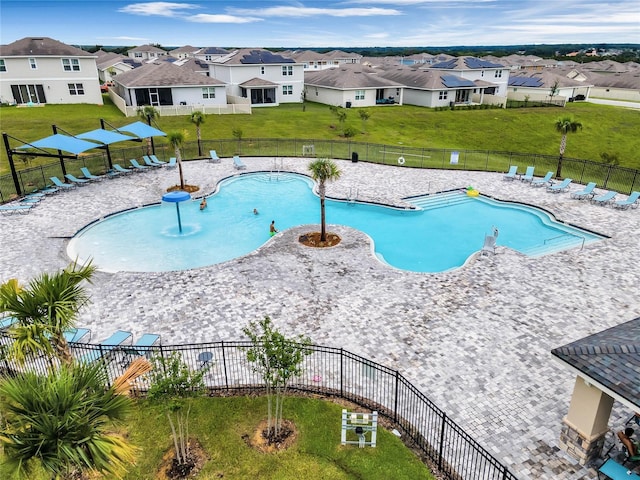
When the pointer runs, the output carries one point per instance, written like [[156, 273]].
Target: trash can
[[348, 104], [354, 157]]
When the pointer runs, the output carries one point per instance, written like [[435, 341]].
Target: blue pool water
[[440, 234]]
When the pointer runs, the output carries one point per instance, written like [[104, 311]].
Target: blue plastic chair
[[528, 175], [115, 340], [560, 187], [512, 173], [90, 176], [77, 181], [238, 164], [604, 199], [631, 201], [540, 182], [586, 193], [136, 165], [214, 157], [59, 183]]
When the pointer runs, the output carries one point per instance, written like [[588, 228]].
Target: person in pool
[[255, 211], [272, 228], [203, 204]]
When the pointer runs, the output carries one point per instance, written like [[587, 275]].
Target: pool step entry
[[439, 200], [554, 244]]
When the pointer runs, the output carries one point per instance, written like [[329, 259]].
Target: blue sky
[[347, 23]]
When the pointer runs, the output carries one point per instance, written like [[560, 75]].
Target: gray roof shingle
[[610, 357], [40, 46], [164, 74]]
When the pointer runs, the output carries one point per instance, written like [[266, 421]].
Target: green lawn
[[220, 423], [531, 130]]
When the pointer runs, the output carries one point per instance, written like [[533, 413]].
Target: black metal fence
[[327, 371], [612, 177]]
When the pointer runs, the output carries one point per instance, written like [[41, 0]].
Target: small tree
[[322, 171], [45, 308], [173, 384], [565, 125], [197, 118], [553, 91], [63, 420], [237, 134], [364, 116], [149, 114], [276, 359], [342, 118], [176, 139]]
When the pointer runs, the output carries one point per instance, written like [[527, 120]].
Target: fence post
[[341, 372], [395, 406], [224, 364], [440, 449]]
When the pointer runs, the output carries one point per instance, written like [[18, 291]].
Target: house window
[[287, 89], [443, 95], [33, 64], [3, 67], [287, 70], [261, 70], [498, 74], [359, 94], [75, 89], [209, 92], [207, 58], [71, 64], [137, 54]]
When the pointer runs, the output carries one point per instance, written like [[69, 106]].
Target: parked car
[[104, 88]]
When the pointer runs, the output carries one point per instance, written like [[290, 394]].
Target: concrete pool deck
[[476, 340]]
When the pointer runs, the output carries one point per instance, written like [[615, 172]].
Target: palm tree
[[149, 114], [44, 309], [176, 139], [63, 420], [197, 118], [323, 170], [565, 125]]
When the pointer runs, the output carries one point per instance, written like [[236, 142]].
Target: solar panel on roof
[[473, 62], [448, 64], [452, 81], [263, 56], [525, 82]]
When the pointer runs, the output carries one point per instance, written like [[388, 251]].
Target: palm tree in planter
[[45, 308], [149, 114], [64, 422], [565, 125], [197, 118], [323, 170], [176, 139]]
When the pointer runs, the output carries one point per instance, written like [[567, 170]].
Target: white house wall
[[54, 79], [489, 75], [193, 96]]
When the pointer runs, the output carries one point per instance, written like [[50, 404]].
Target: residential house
[[163, 84], [476, 69], [145, 53], [111, 64], [39, 70], [613, 85], [260, 76], [351, 85], [209, 54], [184, 52], [545, 86]]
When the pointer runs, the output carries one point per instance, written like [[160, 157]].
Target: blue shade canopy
[[142, 130], [176, 196], [62, 142], [105, 136]]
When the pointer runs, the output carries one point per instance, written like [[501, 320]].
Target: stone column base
[[579, 446]]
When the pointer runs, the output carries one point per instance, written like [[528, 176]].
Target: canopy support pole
[[14, 174]]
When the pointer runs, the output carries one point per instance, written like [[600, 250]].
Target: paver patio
[[476, 340]]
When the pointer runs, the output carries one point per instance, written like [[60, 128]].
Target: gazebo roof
[[610, 359]]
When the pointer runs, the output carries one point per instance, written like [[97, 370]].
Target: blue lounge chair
[[136, 165], [605, 198], [528, 175], [237, 163], [60, 184], [11, 209], [560, 187], [6, 322], [77, 181], [115, 340], [120, 169], [155, 160], [512, 173], [586, 193], [631, 201], [90, 176], [142, 348], [173, 162], [213, 157], [541, 182], [49, 190], [75, 335], [149, 163]]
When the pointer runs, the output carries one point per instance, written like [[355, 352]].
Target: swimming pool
[[439, 234]]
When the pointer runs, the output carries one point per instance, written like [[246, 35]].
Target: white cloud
[[128, 39], [210, 18], [161, 9], [292, 11]]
